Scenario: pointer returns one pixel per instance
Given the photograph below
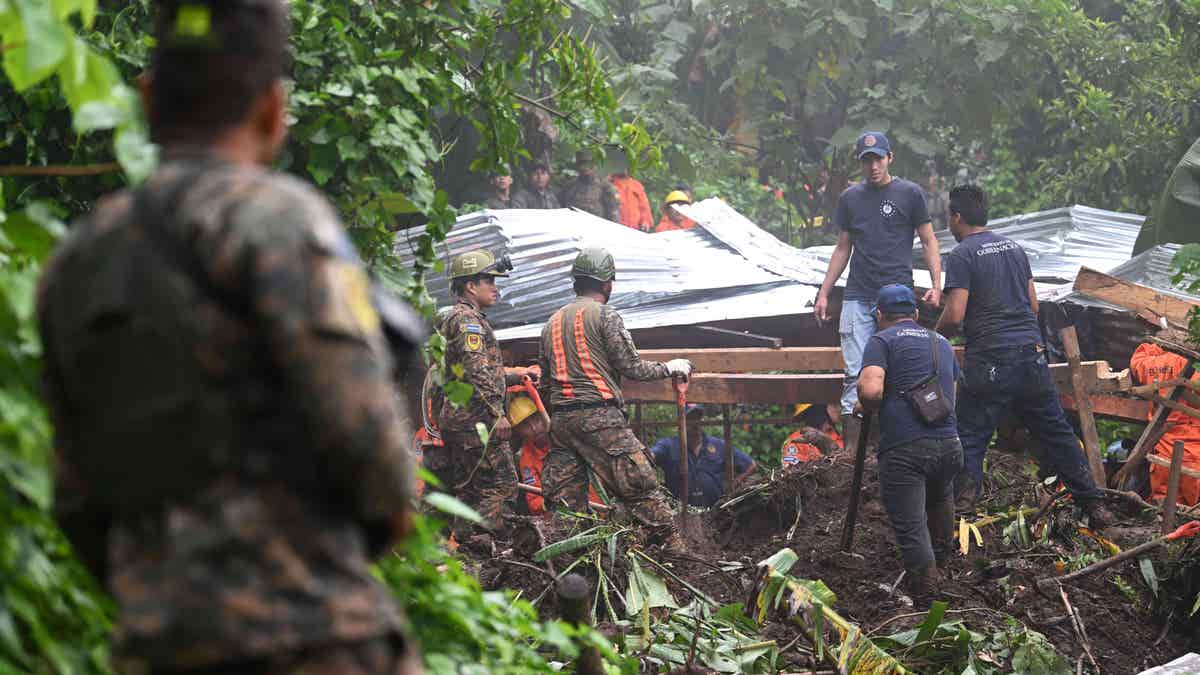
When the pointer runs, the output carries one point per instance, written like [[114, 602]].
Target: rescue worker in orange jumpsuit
[[635, 206], [534, 435], [1149, 363], [817, 437], [672, 219]]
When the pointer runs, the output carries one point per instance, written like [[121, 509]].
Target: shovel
[[860, 460], [1183, 531], [681, 386]]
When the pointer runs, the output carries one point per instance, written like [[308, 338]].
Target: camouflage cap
[[594, 263], [480, 261]]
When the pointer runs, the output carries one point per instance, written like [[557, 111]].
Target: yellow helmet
[[799, 409], [519, 409], [677, 197]]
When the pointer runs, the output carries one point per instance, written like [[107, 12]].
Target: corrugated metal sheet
[[1153, 267], [1060, 241]]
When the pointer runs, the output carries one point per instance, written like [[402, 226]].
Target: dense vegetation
[[399, 108]]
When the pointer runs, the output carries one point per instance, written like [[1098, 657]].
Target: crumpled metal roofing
[[671, 278], [1060, 241], [1153, 267]]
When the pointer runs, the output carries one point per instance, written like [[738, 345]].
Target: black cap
[[693, 408]]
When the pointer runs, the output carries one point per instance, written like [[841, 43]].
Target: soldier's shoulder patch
[[474, 342], [472, 328]]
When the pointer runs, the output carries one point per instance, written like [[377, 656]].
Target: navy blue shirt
[[706, 471], [995, 271], [881, 222], [903, 351]]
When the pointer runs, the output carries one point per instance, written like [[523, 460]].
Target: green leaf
[[646, 590], [932, 621], [458, 392], [453, 506], [1195, 606], [38, 42], [136, 154], [584, 539], [1146, 565]]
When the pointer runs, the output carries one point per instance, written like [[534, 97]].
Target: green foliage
[[1187, 276]]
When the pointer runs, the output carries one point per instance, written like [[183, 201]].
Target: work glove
[[680, 367]]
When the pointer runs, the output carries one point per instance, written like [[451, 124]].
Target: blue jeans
[[916, 480], [855, 327], [1018, 378]]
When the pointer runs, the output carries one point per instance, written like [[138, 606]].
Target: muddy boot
[[966, 494], [941, 534], [922, 586], [1099, 517]]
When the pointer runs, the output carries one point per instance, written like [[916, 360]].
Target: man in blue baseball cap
[[908, 375], [877, 219]]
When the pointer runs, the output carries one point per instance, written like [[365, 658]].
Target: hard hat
[[519, 409], [594, 263], [799, 409], [677, 197], [480, 261]]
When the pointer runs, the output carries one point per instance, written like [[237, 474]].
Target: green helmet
[[594, 263], [480, 261]]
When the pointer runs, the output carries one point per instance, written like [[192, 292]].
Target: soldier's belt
[[572, 407]]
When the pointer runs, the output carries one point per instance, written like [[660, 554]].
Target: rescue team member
[[585, 351], [482, 477], [817, 437], [1149, 363], [672, 219], [706, 462], [635, 206], [538, 195], [917, 460], [876, 219], [591, 193], [232, 450], [990, 298], [534, 434], [501, 184]]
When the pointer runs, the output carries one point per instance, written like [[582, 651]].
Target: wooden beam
[[1131, 296], [1112, 407], [1166, 464], [1087, 421], [740, 388]]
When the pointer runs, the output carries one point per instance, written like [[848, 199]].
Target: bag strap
[[933, 347]]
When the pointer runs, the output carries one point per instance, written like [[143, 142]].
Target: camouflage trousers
[[600, 439], [380, 656], [483, 478]]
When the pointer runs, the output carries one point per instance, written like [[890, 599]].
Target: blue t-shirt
[[904, 353], [995, 271], [881, 222], [706, 471]]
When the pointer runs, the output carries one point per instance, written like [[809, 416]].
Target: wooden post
[[727, 425], [1173, 476], [1154, 430], [573, 594], [684, 451], [1087, 421]]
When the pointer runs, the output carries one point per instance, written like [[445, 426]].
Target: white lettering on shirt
[[993, 247]]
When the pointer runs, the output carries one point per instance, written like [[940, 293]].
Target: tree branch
[[60, 170]]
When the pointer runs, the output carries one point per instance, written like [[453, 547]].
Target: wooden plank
[[1131, 296], [1173, 475], [1087, 421], [1153, 431], [742, 388], [1166, 464], [1112, 407]]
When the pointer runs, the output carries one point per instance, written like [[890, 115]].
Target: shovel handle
[[1184, 531]]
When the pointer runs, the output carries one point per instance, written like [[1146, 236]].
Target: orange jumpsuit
[[530, 466], [802, 446], [635, 206], [1151, 362], [666, 225]]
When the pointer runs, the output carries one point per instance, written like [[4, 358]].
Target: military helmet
[[480, 261], [519, 409], [594, 263]]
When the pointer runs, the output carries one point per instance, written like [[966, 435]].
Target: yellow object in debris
[[1109, 545]]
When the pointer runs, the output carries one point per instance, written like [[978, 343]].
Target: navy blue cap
[[896, 299], [693, 408], [872, 143]]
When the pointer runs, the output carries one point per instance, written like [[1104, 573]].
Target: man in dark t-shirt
[[877, 219], [917, 460], [706, 462], [990, 297]]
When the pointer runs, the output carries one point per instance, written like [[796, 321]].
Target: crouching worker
[[816, 437], [534, 434], [908, 376], [706, 462]]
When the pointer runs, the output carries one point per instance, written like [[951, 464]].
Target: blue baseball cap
[[896, 299], [872, 143]]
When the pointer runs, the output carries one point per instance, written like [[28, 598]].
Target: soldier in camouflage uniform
[[484, 478], [588, 192], [585, 351], [232, 449], [538, 194]]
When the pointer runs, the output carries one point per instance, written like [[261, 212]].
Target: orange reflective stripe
[[585, 359], [560, 356]]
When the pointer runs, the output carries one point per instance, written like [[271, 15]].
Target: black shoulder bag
[[926, 397]]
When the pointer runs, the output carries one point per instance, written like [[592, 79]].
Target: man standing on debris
[[991, 299], [501, 183], [232, 448], [482, 476], [585, 351], [706, 462], [919, 452], [591, 193], [816, 438], [877, 219], [538, 195]]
